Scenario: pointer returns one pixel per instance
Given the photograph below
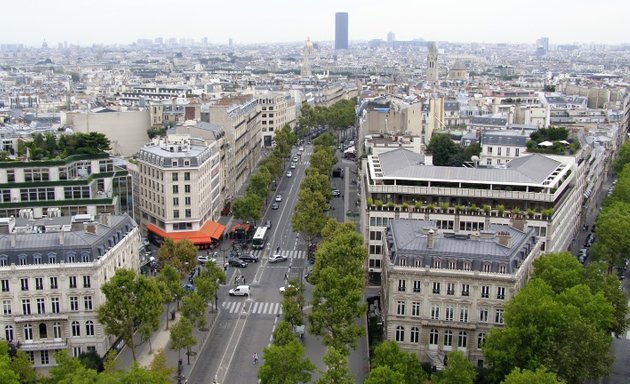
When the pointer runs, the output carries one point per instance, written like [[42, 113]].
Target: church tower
[[308, 52], [432, 63]]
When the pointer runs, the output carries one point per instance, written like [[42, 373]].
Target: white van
[[241, 290]]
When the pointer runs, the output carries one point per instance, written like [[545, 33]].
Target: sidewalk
[[160, 340]]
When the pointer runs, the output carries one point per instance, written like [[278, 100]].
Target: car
[[234, 262], [295, 159], [249, 257], [336, 192], [268, 224], [275, 206], [282, 289], [189, 287], [278, 198], [203, 259], [241, 290], [277, 258], [289, 174], [292, 165], [301, 149]]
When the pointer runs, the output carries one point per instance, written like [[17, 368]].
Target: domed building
[[458, 71]]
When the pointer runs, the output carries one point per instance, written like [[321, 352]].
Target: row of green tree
[[338, 116], [447, 153], [249, 207], [309, 213], [48, 146]]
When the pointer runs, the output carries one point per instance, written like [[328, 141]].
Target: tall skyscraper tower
[[432, 63], [341, 30], [308, 52]]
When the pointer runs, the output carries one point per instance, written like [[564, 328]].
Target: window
[[433, 337], [436, 287], [498, 316], [176, 213], [24, 283], [467, 265], [489, 150], [175, 176], [401, 285], [502, 268], [485, 291], [53, 282], [416, 286], [437, 263], [176, 201], [448, 338], [188, 213], [87, 303], [54, 305], [3, 261], [449, 313], [516, 152], [187, 188], [57, 330], [500, 293], [72, 281], [76, 329], [28, 332], [465, 289], [376, 235], [89, 328], [415, 308], [400, 308], [415, 335], [8, 332], [463, 314], [175, 188], [5, 285], [26, 306], [74, 303], [41, 306], [43, 331], [498, 151], [6, 307], [435, 311], [507, 151], [187, 200], [483, 315], [450, 289], [400, 333], [76, 351], [462, 339], [86, 282], [452, 264], [186, 176], [481, 338], [487, 267], [44, 358], [39, 283]]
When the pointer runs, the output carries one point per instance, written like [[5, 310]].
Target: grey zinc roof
[[451, 106], [514, 139], [499, 121], [402, 163]]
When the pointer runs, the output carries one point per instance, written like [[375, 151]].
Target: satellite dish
[[475, 160]]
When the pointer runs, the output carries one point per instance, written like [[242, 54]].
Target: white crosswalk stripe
[[291, 254], [257, 308]]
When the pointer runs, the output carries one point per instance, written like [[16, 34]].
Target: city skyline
[[274, 21]]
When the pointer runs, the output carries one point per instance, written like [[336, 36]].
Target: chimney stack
[[518, 222], [430, 238], [504, 238], [62, 237], [13, 239], [105, 219], [90, 228]]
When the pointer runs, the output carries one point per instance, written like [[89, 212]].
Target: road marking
[[257, 308], [222, 371]]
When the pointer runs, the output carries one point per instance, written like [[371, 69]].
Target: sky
[[31, 22]]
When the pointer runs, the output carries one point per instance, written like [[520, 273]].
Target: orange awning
[[210, 230]]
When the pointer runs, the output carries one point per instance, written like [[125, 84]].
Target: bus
[[260, 237]]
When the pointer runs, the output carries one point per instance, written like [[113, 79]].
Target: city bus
[[260, 237]]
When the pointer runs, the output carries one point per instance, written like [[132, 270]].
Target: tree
[[567, 332], [159, 364], [194, 309], [325, 140], [91, 359], [308, 215], [285, 365], [182, 337], [458, 370], [247, 207], [388, 354], [525, 376], [316, 182], [132, 302], [136, 374], [171, 287], [323, 159], [444, 150], [259, 183], [621, 192], [623, 158], [70, 370], [283, 334], [181, 255], [384, 375], [612, 243], [292, 303], [7, 375], [22, 365], [337, 371]]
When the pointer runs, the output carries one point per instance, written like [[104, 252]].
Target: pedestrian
[[255, 358], [243, 279]]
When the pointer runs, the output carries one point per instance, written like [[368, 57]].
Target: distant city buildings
[[341, 30]]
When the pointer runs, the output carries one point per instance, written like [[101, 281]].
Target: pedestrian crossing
[[256, 308], [291, 254]]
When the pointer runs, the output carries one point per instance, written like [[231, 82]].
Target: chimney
[[90, 228], [430, 238], [13, 239], [518, 222], [504, 238], [105, 219], [62, 237]]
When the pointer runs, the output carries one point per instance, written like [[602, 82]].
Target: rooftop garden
[[51, 147], [552, 141]]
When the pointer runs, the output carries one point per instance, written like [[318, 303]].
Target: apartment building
[[545, 191], [240, 118], [51, 273], [77, 184], [140, 96], [443, 291], [180, 189], [276, 110], [499, 147]]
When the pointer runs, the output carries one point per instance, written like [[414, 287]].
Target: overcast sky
[[258, 21]]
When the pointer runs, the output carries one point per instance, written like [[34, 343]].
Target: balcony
[[462, 192], [41, 317], [44, 344]]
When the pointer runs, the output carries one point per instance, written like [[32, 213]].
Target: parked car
[[277, 258], [241, 290], [289, 174], [278, 198], [275, 206], [234, 262], [295, 159], [336, 192], [293, 165], [249, 257]]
